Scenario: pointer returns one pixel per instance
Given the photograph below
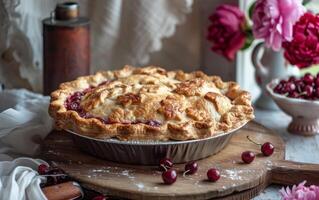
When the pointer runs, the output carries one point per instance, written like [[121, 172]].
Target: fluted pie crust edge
[[151, 103]]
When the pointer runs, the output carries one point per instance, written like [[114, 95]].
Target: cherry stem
[[164, 167], [303, 93], [253, 141], [184, 174]]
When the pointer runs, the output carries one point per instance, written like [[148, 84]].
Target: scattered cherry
[[165, 164], [99, 197], [191, 167], [51, 180], [43, 169], [213, 174], [54, 175], [267, 149], [169, 176], [247, 156]]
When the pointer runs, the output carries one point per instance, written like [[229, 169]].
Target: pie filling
[[74, 100]]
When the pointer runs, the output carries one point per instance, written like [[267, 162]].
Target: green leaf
[[305, 2], [251, 10], [249, 39], [247, 44]]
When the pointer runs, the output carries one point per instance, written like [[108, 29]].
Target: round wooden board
[[144, 182]]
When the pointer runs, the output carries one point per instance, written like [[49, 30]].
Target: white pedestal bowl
[[304, 113]]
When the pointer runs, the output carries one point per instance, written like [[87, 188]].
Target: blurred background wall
[[167, 33]]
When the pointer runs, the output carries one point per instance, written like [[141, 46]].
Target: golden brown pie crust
[[151, 103]]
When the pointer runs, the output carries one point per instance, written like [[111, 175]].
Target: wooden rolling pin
[[64, 191]]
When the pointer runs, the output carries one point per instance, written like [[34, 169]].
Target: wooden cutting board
[[238, 180]]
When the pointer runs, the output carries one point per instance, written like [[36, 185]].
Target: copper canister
[[66, 46]]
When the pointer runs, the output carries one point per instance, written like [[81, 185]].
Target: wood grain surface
[[238, 180]]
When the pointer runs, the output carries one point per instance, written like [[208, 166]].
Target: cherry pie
[[150, 104]]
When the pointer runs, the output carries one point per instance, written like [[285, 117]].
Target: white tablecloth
[[298, 148]]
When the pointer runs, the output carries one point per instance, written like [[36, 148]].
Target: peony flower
[[273, 20], [300, 192], [303, 50], [226, 30]]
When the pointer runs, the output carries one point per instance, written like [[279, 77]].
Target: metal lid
[[67, 11], [66, 14]]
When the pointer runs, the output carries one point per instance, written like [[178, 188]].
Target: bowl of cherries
[[299, 98]]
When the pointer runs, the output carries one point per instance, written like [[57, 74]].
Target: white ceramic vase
[[269, 65]]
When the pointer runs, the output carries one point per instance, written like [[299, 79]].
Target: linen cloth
[[19, 180], [24, 122]]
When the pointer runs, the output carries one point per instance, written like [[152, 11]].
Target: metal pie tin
[[150, 152]]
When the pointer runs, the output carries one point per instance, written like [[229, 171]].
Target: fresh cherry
[[292, 79], [305, 87], [278, 89], [51, 180], [299, 86], [293, 94], [289, 87], [267, 149], [43, 169], [191, 167], [169, 176], [213, 174], [165, 164], [308, 79], [308, 90], [283, 82], [248, 157], [99, 197]]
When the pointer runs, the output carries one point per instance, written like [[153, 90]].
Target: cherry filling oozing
[[73, 103]]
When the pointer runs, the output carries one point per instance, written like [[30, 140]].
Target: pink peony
[[273, 20], [300, 192], [303, 50], [226, 30]]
